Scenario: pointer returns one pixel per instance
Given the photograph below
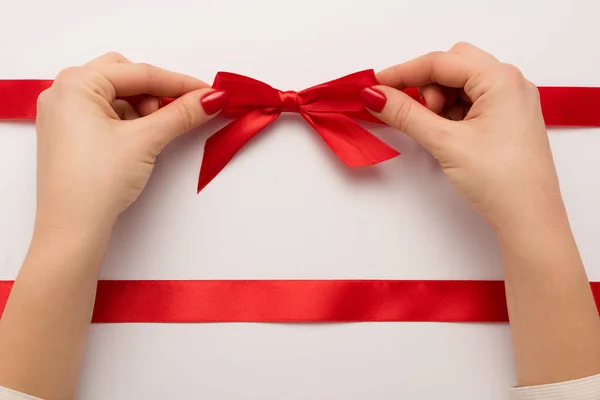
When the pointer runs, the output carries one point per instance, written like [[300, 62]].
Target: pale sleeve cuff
[[578, 389], [9, 394]]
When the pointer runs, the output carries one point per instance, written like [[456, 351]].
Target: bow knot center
[[290, 101]]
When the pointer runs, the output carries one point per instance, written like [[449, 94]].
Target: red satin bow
[[329, 108]]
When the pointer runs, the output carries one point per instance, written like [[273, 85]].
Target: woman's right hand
[[483, 123]]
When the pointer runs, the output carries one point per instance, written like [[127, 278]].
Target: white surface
[[286, 207]]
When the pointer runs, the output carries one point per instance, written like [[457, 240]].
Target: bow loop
[[340, 95], [245, 94]]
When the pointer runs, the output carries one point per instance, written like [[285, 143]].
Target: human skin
[[95, 155]]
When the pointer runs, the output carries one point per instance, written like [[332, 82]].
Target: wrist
[[81, 240], [530, 201], [69, 219], [540, 230], [519, 217]]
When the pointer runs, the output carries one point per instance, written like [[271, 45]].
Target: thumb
[[184, 114], [401, 111]]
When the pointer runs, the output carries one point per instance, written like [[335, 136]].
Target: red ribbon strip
[[298, 301], [330, 108]]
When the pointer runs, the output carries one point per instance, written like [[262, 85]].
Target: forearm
[[45, 323], [554, 321]]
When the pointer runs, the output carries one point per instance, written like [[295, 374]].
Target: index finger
[[134, 79], [447, 69]]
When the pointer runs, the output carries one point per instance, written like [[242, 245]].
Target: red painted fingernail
[[163, 101], [423, 102], [373, 99], [214, 101]]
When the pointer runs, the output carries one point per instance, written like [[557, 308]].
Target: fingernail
[[373, 99], [163, 101], [214, 101], [423, 102]]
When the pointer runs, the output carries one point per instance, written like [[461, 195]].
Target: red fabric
[[18, 98], [329, 108], [570, 106]]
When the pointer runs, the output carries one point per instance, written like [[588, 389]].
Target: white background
[[285, 207]]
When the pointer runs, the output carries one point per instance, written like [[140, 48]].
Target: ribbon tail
[[353, 144], [223, 145]]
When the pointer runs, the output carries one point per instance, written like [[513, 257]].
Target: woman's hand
[[95, 152], [483, 124], [494, 148], [95, 155]]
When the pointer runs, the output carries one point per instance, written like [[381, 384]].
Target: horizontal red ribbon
[[298, 301], [566, 106]]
